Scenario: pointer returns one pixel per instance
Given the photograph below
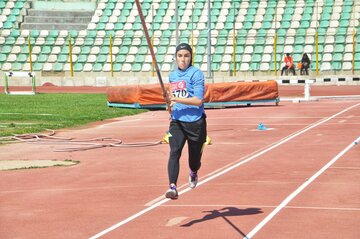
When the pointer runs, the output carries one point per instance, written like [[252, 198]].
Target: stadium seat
[[97, 67], [264, 67], [87, 67], [254, 23]]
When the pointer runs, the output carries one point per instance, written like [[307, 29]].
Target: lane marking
[[150, 203], [175, 221], [354, 97], [350, 168], [298, 191], [129, 219], [266, 206], [119, 224]]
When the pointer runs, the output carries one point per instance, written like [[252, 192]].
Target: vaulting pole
[[165, 95]]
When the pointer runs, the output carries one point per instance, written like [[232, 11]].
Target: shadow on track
[[225, 213]]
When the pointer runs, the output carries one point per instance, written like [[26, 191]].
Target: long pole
[[317, 40], [165, 95], [192, 36], [152, 39], [234, 42], [177, 41], [177, 22], [353, 41], [275, 40], [70, 56], [209, 42], [30, 56], [111, 57], [353, 52]]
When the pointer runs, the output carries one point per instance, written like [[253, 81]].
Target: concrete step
[[56, 20], [53, 26], [55, 13], [46, 19]]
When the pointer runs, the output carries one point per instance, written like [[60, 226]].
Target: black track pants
[[195, 134]]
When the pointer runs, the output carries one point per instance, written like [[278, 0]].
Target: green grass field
[[20, 114]]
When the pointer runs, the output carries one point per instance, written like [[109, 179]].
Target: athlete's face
[[183, 59]]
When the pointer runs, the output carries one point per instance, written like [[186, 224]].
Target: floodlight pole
[[30, 55], [275, 41], [152, 39], [317, 40], [70, 56], [177, 22], [353, 42], [111, 56], [192, 36], [176, 30], [209, 42], [234, 43]]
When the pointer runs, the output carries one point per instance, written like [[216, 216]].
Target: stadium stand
[[295, 23]]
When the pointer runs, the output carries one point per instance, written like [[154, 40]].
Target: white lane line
[[98, 235], [337, 96], [326, 208], [148, 204], [298, 190], [266, 206], [129, 219], [350, 168]]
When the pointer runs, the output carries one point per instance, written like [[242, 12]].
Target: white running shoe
[[193, 179], [172, 193]]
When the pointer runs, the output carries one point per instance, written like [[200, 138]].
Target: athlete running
[[188, 119]]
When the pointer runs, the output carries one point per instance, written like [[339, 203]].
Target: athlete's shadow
[[225, 213]]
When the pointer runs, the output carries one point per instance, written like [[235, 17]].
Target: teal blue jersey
[[186, 84]]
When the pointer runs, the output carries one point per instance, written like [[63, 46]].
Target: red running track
[[298, 179]]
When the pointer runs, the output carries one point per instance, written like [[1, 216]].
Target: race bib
[[178, 89]]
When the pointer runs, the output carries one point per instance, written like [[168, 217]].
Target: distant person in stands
[[305, 64], [289, 64], [188, 119]]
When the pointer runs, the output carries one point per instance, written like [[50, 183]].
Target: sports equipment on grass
[[9, 75]]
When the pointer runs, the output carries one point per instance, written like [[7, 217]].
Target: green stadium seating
[[59, 67], [97, 67], [254, 24]]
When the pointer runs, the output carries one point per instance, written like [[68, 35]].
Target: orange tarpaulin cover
[[217, 92]]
